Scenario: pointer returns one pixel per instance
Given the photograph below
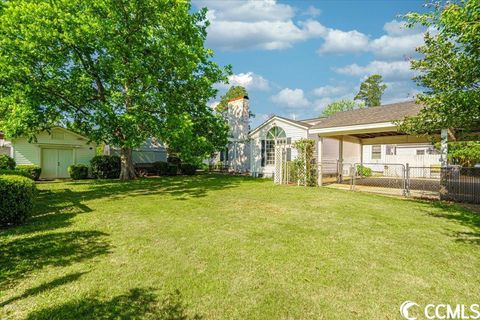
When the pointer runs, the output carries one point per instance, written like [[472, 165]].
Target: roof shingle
[[385, 113]]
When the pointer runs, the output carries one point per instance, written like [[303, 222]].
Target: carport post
[[319, 161]]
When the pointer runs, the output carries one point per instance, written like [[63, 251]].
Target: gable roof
[[385, 113], [294, 122]]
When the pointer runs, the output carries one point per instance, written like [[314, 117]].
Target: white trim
[[360, 128], [279, 119]]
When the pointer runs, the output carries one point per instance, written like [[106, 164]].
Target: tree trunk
[[127, 171]]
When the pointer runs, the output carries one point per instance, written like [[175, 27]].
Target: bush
[[105, 167], [174, 160], [16, 203], [172, 170], [78, 171], [7, 162], [31, 170], [21, 173], [188, 169], [364, 171], [161, 168]]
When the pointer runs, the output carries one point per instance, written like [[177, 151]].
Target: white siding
[[292, 131]]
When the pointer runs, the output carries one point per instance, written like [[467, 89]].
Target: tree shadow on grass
[[56, 207], [44, 287], [136, 304], [462, 216], [19, 257]]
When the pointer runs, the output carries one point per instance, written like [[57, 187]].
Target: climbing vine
[[304, 165]]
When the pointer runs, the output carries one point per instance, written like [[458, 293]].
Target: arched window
[[268, 145], [275, 133]]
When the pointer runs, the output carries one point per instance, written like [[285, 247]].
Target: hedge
[[31, 170], [78, 171], [172, 170], [188, 169], [17, 198], [161, 168], [6, 162], [15, 172], [105, 167]]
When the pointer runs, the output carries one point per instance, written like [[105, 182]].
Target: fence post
[[406, 181]]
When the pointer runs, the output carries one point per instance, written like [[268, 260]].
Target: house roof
[[294, 122], [385, 113]]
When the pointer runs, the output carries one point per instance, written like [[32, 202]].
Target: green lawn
[[221, 247]]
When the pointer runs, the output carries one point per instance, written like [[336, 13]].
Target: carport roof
[[385, 113]]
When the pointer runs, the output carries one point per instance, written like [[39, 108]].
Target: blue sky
[[295, 57]]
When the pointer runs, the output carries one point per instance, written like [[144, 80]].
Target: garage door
[[55, 163]]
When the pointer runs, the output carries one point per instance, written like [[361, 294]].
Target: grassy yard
[[220, 247]]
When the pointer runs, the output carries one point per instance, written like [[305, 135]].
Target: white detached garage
[[54, 152]]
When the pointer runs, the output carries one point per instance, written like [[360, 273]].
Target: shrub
[[33, 171], [188, 169], [16, 201], [21, 173], [161, 168], [174, 160], [78, 171], [7, 162], [172, 170], [105, 167], [364, 171]]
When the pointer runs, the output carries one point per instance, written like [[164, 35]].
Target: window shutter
[[289, 140], [289, 154], [263, 153], [226, 154], [222, 156]]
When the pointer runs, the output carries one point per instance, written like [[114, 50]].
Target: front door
[[55, 163]]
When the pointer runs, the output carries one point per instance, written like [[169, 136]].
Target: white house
[[361, 136]]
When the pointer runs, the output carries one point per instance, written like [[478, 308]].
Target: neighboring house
[[149, 152], [54, 152], [352, 137]]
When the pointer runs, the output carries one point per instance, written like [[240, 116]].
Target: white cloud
[[294, 98], [389, 70], [338, 41], [389, 47], [312, 11], [249, 80], [254, 24], [248, 11], [329, 91], [398, 91]]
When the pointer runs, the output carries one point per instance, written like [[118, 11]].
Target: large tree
[[371, 91], [449, 68], [339, 106], [119, 71]]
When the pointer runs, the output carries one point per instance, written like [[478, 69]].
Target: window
[[420, 152], [270, 152], [376, 152], [390, 150], [268, 145]]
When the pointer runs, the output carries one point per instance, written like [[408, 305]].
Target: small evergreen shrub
[[161, 168], [7, 162], [364, 171], [16, 200], [33, 171], [172, 170], [78, 171], [105, 167], [188, 169]]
